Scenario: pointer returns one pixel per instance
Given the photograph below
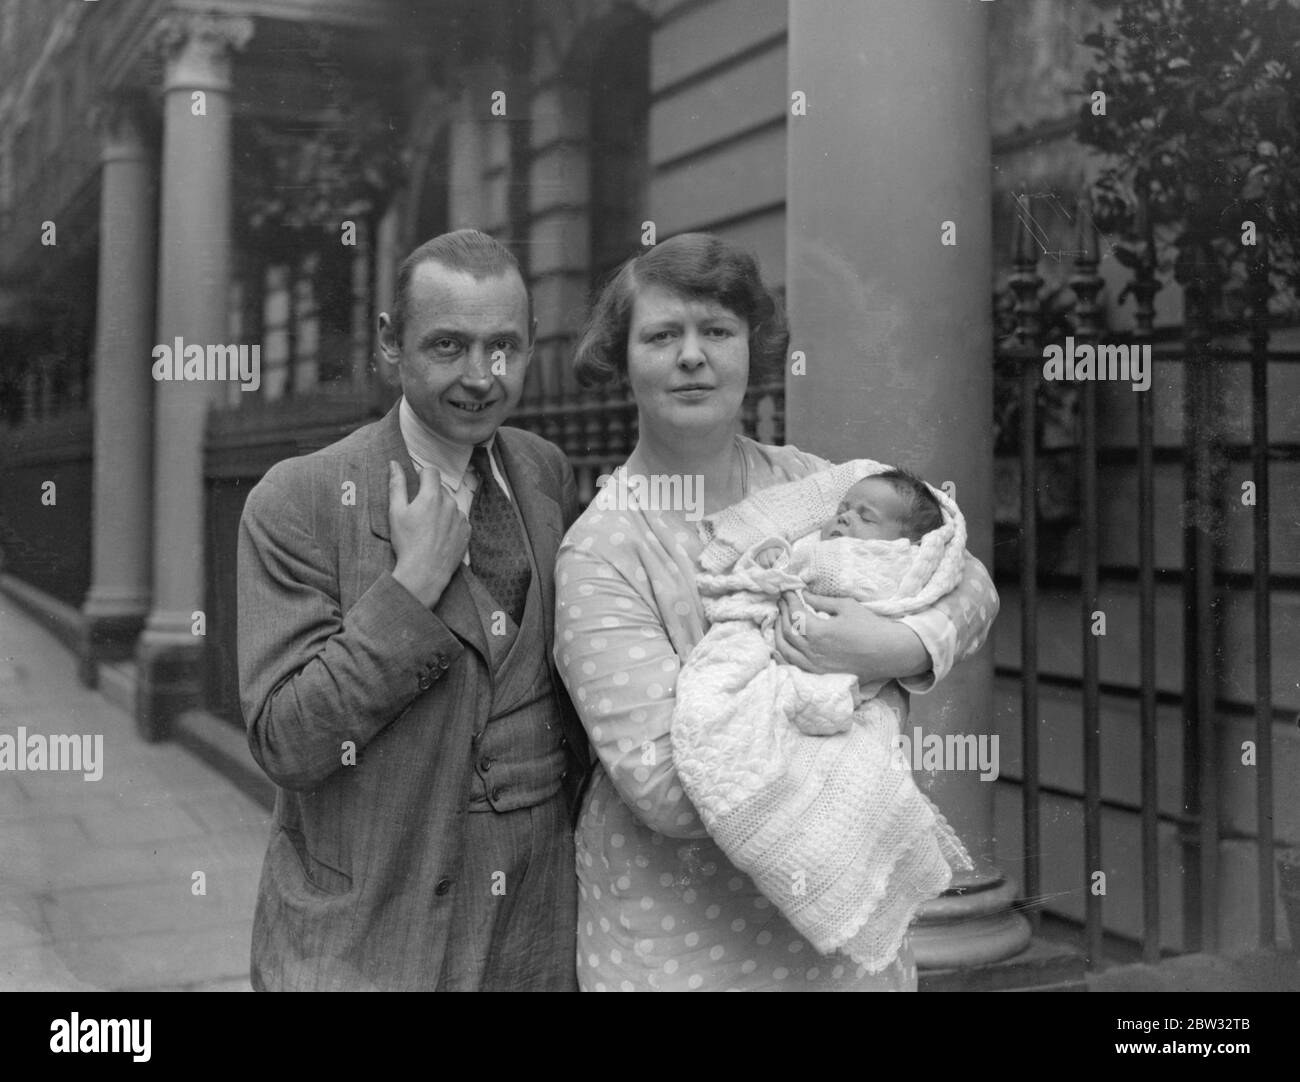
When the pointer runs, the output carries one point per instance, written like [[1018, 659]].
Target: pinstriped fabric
[[516, 909], [361, 885]]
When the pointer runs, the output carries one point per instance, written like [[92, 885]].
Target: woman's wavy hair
[[698, 266]]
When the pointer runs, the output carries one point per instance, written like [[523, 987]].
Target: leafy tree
[[1202, 99]]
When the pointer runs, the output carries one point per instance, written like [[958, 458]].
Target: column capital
[[125, 121], [197, 45]]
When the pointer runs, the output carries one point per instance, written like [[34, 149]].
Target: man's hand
[[430, 534], [853, 639]]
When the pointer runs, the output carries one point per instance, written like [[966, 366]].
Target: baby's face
[[870, 511]]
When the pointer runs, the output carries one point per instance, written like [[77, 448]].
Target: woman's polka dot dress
[[661, 908]]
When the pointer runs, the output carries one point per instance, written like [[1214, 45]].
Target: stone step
[[1043, 966], [117, 683]]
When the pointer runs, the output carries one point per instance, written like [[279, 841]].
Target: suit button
[[485, 764], [564, 741], [443, 886], [496, 793], [424, 682], [443, 663]]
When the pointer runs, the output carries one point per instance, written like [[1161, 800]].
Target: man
[[395, 666]]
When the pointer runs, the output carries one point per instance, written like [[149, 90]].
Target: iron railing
[[1204, 348]]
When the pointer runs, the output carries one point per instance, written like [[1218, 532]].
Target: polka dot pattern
[[660, 905], [652, 931]]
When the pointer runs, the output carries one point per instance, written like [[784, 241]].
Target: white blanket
[[804, 793]]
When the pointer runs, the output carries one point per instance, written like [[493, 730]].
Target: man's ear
[[390, 349]]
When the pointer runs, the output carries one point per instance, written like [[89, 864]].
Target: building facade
[[250, 172]]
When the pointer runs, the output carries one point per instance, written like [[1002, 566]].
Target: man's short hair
[[697, 266], [464, 250], [923, 511]]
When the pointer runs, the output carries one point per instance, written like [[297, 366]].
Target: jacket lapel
[[456, 607], [543, 518]]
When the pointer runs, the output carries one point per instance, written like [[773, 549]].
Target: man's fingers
[[396, 486], [429, 482]]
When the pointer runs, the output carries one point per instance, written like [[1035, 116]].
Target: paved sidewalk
[[1256, 971], [97, 883]]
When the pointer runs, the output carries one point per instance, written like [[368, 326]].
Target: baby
[[889, 506], [885, 507], [867, 550], [796, 772], [891, 543]]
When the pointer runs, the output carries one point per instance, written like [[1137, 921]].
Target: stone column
[[465, 152], [193, 282], [118, 598], [896, 328], [559, 246]]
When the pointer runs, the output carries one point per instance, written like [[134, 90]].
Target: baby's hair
[[923, 511]]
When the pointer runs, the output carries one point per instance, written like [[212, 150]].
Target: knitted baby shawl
[[798, 508], [832, 828]]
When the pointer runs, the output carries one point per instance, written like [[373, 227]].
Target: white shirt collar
[[427, 448]]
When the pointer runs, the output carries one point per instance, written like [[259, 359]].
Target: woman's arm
[[917, 650], [955, 626], [621, 671], [855, 640]]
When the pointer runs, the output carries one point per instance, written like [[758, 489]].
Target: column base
[[105, 636], [970, 924], [169, 681], [1043, 966]]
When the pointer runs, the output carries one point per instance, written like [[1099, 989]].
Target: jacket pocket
[[319, 874]]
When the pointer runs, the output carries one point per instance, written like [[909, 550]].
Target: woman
[[687, 325]]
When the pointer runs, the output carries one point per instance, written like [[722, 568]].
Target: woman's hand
[[850, 639]]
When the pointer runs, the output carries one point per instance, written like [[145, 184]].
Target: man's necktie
[[496, 543]]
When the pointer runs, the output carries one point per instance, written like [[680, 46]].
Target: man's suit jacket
[[360, 874]]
